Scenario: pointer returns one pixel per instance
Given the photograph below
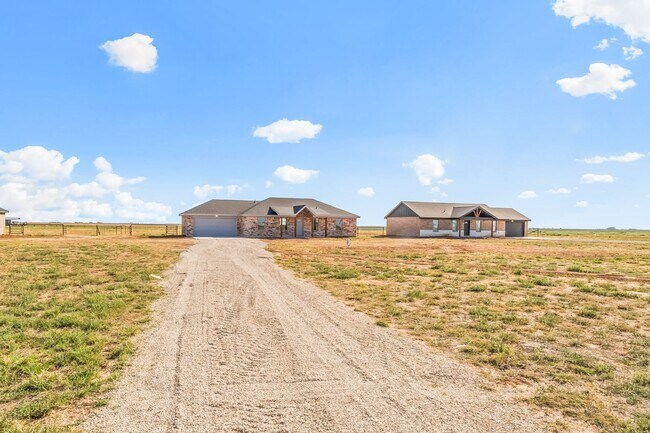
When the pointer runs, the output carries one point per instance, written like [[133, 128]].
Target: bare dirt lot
[[241, 345]]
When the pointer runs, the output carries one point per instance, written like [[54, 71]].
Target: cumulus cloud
[[445, 181], [135, 53], [632, 52], [527, 194], [582, 204], [366, 192], [294, 175], [35, 163], [427, 168], [287, 131], [627, 157], [37, 188], [597, 178], [560, 191], [602, 45], [203, 191], [602, 79], [633, 16]]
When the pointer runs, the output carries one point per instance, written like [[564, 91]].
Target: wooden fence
[[85, 229]]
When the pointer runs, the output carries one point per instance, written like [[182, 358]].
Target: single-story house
[[431, 219], [2, 220], [270, 218]]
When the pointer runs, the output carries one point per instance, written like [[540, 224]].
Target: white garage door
[[205, 226]]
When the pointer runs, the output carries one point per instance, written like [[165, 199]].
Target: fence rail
[[86, 229]]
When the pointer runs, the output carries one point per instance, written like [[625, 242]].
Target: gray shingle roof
[[290, 207], [220, 207], [458, 210], [3, 210], [284, 207]]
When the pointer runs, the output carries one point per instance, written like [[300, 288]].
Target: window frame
[[284, 223], [338, 223], [435, 225], [494, 225], [478, 226], [261, 226], [454, 225], [315, 225]]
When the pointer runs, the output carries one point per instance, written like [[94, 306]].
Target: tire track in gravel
[[240, 345]]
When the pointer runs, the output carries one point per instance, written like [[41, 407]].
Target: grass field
[[563, 323], [69, 309]]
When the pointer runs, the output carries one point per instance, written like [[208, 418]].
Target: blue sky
[[472, 87]]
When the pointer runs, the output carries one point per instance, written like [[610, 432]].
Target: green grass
[[568, 316], [69, 309]]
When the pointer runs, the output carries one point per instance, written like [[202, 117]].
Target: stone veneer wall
[[348, 229], [186, 225]]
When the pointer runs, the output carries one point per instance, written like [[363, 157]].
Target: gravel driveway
[[240, 345]]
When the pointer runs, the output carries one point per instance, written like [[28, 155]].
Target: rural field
[[563, 322], [69, 309]]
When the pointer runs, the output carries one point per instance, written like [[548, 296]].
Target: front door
[[466, 226], [300, 229]]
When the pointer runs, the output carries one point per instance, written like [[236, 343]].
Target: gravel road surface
[[240, 345]]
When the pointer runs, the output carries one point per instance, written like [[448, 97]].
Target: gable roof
[[290, 207], [275, 206], [458, 210], [3, 210]]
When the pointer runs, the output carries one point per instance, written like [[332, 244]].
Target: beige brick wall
[[427, 224], [348, 229], [403, 226]]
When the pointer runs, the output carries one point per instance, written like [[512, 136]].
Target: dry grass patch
[[564, 322], [69, 309]]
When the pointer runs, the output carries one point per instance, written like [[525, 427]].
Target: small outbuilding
[[271, 218], [432, 219], [3, 212]]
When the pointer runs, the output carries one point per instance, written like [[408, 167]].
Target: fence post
[[97, 230], [130, 229], [62, 229]]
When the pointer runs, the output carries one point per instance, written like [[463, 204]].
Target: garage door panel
[[205, 226], [514, 229]]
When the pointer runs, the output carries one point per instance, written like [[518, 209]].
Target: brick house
[[428, 219], [270, 218]]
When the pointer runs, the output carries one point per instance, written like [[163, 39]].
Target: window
[[316, 226], [261, 222], [283, 223], [339, 224], [454, 226], [478, 225], [494, 226], [435, 225]]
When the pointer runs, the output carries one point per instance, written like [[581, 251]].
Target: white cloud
[[633, 16], [627, 157], [527, 194], [602, 45], [37, 188], [602, 79], [135, 209], [632, 52], [287, 131], [135, 53], [202, 192], [582, 204], [35, 163], [427, 168], [366, 192], [445, 181], [102, 165], [435, 190], [268, 184], [597, 178], [560, 191], [294, 175]]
